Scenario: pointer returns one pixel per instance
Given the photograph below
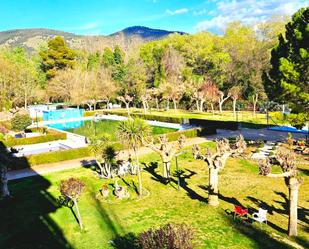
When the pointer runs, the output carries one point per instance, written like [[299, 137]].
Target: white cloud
[[248, 11], [177, 12]]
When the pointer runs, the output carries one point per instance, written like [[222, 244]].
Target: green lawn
[[110, 127], [33, 219], [243, 116]]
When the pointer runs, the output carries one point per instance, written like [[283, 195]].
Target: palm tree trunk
[[140, 187]]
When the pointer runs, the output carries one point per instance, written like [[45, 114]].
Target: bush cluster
[[20, 122], [167, 237]]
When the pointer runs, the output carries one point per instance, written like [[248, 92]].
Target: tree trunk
[[157, 104], [234, 107], [197, 105], [220, 106], [255, 100], [167, 104], [144, 106], [202, 105], [26, 100], [293, 194], [128, 108], [212, 108], [4, 191], [140, 186], [254, 108], [166, 169], [78, 214], [175, 104], [213, 199]]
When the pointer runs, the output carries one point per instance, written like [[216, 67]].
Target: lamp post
[[177, 168]]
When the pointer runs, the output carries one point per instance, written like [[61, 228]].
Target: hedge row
[[63, 155], [50, 136], [138, 115], [48, 157], [224, 125]]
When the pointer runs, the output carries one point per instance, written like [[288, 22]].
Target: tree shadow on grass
[[302, 212], [25, 220], [151, 168], [183, 176], [66, 202], [261, 238]]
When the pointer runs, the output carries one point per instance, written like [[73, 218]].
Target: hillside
[[128, 38]]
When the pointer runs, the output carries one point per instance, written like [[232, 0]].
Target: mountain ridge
[[128, 38]]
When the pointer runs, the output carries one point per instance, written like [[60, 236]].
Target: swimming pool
[[88, 128], [34, 149]]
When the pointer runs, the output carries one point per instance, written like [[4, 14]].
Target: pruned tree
[[222, 98], [156, 94], [126, 99], [235, 93], [254, 98], [216, 161], [166, 151], [145, 98], [72, 189], [209, 92], [286, 159]]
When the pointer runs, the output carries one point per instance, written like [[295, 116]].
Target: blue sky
[[108, 16]]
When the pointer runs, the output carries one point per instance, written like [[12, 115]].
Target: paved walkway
[[253, 134]]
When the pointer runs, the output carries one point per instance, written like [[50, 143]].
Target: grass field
[[242, 116], [110, 127], [34, 219]]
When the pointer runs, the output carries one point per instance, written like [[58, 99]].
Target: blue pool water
[[61, 114], [67, 125]]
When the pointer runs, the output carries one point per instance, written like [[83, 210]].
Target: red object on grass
[[238, 210]]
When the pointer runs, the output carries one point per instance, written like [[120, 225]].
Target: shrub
[[20, 122], [50, 136], [57, 156], [167, 237]]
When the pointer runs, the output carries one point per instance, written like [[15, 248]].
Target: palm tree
[[104, 154], [132, 132]]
